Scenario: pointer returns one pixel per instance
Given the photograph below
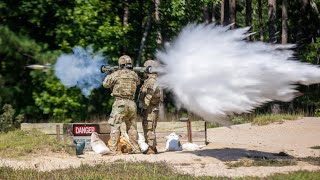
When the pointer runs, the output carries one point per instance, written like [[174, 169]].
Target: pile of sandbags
[[173, 144]]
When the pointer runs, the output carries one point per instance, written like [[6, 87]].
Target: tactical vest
[[126, 84]]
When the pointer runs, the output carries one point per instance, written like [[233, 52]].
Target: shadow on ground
[[234, 154]]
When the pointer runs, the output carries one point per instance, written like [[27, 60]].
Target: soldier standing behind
[[150, 97], [123, 84]]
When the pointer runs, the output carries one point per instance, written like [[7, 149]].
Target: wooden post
[[58, 133], [189, 129], [205, 133]]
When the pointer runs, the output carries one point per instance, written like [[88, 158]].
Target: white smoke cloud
[[214, 73], [80, 69]]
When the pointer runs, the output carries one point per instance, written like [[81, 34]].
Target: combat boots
[[155, 149], [151, 150]]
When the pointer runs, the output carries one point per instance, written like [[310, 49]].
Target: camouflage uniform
[[150, 97], [123, 84]]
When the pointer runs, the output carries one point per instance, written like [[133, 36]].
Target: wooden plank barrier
[[46, 128], [199, 135]]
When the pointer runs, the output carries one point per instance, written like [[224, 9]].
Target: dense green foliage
[[34, 31], [8, 120]]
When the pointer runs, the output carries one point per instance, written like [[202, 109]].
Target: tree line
[[37, 32]]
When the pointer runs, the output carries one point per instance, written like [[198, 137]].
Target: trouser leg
[[133, 136], [149, 126], [131, 124], [114, 137], [115, 120]]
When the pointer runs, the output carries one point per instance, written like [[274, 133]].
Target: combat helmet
[[151, 63], [125, 59], [150, 66]]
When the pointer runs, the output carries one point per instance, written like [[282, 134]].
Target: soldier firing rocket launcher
[[107, 68]]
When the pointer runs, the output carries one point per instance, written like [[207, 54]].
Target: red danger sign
[[85, 129]]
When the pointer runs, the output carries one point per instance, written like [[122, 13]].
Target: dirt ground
[[226, 144]]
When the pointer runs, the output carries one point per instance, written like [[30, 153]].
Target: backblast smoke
[[80, 69], [213, 72]]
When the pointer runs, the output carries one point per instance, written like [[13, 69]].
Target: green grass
[[212, 125], [239, 120], [315, 147], [130, 170], [298, 175], [262, 162], [273, 162], [19, 143], [260, 119], [265, 119], [311, 160], [118, 170]]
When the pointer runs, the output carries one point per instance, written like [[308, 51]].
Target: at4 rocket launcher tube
[[107, 68]]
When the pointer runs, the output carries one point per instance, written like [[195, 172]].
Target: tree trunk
[[222, 12], [144, 36], [213, 11], [248, 12], [157, 21], [314, 9], [260, 20], [225, 12], [303, 14], [316, 13], [233, 13], [125, 21], [272, 21], [125, 12], [284, 33], [206, 16]]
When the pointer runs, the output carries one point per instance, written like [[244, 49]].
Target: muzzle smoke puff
[[80, 69], [214, 73]]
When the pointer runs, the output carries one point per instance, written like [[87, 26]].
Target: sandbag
[[191, 147], [142, 143], [98, 145], [173, 142]]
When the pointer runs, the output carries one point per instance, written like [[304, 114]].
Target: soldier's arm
[[142, 91], [109, 81], [150, 89]]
